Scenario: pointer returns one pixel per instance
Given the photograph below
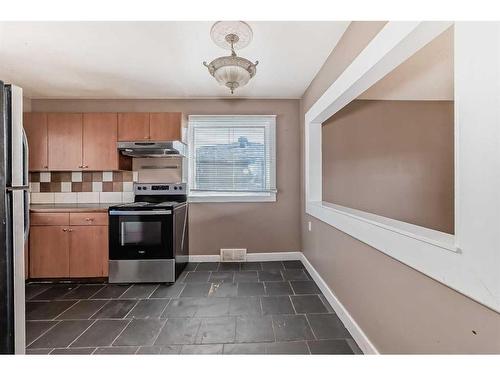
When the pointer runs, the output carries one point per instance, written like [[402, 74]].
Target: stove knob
[[139, 188], [175, 187], [180, 187]]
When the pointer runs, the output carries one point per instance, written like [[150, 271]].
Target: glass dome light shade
[[232, 73]]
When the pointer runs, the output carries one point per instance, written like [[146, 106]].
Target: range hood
[[159, 149]]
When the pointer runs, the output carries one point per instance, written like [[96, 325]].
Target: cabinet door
[[100, 133], [165, 126], [133, 126], [35, 125], [65, 141], [49, 251], [88, 251]]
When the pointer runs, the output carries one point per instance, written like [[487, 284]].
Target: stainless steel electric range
[[148, 239]]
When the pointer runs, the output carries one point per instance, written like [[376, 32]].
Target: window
[[232, 158]]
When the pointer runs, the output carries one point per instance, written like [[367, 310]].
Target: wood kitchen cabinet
[[49, 251], [35, 126], [87, 141], [74, 142], [133, 126], [100, 134], [165, 126], [69, 244], [86, 256], [65, 134], [145, 126]]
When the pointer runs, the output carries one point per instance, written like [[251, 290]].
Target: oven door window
[[141, 237], [140, 233]]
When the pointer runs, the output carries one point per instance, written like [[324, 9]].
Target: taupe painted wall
[[392, 158], [259, 227], [399, 309]]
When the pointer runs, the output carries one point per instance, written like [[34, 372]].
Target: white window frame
[[467, 261], [269, 123]]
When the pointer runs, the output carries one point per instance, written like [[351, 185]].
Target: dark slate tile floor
[[213, 308]]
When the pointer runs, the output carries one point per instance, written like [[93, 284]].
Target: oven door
[[140, 235]]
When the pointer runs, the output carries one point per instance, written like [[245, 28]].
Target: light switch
[[309, 226]]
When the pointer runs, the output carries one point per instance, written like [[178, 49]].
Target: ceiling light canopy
[[231, 71]]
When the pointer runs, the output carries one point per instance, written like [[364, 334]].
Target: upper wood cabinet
[[35, 126], [65, 141], [165, 126], [133, 126], [87, 141], [140, 126], [99, 141]]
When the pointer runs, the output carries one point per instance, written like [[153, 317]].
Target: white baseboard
[[354, 329], [266, 257], [252, 257], [204, 258]]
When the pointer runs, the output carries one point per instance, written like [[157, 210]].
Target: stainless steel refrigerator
[[14, 225]]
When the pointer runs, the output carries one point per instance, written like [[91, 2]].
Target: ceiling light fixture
[[231, 71]]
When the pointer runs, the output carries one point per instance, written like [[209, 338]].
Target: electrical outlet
[[309, 226], [233, 255]]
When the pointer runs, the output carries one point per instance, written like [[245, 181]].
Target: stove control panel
[[159, 189]]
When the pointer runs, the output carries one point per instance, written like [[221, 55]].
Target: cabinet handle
[[80, 166], [46, 167], [85, 166], [65, 229], [89, 219], [70, 230]]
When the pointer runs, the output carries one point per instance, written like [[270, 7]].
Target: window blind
[[232, 153]]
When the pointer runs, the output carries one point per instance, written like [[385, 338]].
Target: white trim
[[267, 257], [350, 324], [252, 257], [236, 198], [414, 232], [204, 258], [471, 268]]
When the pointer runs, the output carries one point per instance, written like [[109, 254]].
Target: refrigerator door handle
[[26, 183]]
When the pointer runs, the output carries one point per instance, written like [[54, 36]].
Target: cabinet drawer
[[88, 218], [49, 218]]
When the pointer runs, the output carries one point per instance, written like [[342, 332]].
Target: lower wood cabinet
[[49, 251], [86, 255], [60, 250]]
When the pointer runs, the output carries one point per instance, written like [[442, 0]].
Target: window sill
[[378, 226], [231, 198]]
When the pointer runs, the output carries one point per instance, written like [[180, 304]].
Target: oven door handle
[[136, 213]]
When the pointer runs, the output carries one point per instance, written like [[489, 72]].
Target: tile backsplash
[[82, 187]]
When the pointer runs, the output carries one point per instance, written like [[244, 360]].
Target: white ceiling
[[157, 59]]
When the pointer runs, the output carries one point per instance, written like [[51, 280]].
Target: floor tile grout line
[[154, 290], [124, 328], [162, 311], [80, 335], [69, 307], [27, 345], [103, 286], [125, 291], [310, 327], [293, 306], [159, 332], [102, 307]]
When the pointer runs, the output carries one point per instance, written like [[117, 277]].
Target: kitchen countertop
[[71, 207]]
